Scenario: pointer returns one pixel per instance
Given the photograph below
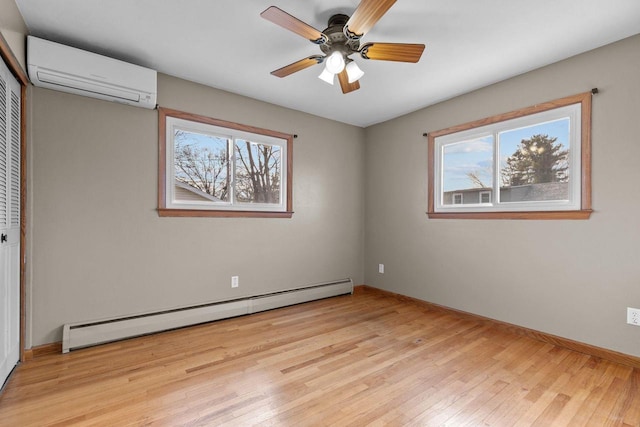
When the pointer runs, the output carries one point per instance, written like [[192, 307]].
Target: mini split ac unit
[[67, 69]]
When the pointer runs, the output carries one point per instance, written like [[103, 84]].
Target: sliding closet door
[[9, 222]]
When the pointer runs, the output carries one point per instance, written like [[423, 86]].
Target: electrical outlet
[[234, 281], [381, 268], [633, 316]]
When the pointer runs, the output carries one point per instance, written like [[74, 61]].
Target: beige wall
[[99, 248], [569, 278], [14, 30]]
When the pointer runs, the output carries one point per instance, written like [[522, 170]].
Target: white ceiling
[[227, 45]]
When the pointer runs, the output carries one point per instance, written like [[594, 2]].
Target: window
[[532, 163], [485, 197], [211, 167]]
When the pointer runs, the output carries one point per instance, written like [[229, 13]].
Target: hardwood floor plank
[[365, 359], [629, 410], [551, 412], [510, 410]]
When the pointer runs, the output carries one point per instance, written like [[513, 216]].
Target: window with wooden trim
[[211, 167], [533, 163]]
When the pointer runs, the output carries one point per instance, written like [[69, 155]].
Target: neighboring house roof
[[187, 192], [538, 192], [469, 190]]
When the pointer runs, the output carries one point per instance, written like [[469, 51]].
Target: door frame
[[14, 66]]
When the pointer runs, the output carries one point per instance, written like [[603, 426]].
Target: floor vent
[[85, 334]]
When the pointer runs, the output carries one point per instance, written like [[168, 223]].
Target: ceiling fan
[[340, 40]]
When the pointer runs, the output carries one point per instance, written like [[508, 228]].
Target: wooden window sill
[[222, 213], [581, 214]]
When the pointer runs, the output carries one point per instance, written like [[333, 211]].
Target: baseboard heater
[[85, 334]]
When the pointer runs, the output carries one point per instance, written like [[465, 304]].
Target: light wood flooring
[[346, 361]]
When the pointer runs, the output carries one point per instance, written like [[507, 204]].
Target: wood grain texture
[[367, 14], [202, 213], [43, 350], [347, 87], [291, 23], [582, 98], [581, 214], [297, 66], [401, 52], [610, 355], [365, 359], [586, 106]]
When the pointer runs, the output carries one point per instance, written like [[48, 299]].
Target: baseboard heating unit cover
[[85, 334]]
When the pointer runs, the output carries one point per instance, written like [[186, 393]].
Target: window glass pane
[[467, 170], [201, 167], [534, 162], [258, 169]]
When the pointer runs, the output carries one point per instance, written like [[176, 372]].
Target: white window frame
[[571, 112], [169, 205], [453, 198], [576, 108]]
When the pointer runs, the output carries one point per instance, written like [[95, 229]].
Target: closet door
[[9, 222]]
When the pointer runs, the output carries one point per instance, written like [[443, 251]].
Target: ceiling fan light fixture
[[335, 62], [354, 72], [327, 76], [340, 40]]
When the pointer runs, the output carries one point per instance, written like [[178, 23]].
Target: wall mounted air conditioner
[[56, 66]]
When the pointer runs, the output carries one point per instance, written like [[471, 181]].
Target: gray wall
[[569, 278], [99, 248]]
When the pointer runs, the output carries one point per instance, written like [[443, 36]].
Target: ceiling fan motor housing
[[336, 38]]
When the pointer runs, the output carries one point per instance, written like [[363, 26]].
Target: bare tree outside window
[[474, 177], [214, 168], [202, 162], [257, 172]]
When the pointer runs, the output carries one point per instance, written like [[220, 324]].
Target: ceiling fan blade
[[347, 87], [366, 15], [401, 52], [291, 23], [298, 66]]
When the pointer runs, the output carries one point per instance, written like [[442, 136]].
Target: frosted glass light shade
[[326, 76], [335, 63], [354, 72]]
